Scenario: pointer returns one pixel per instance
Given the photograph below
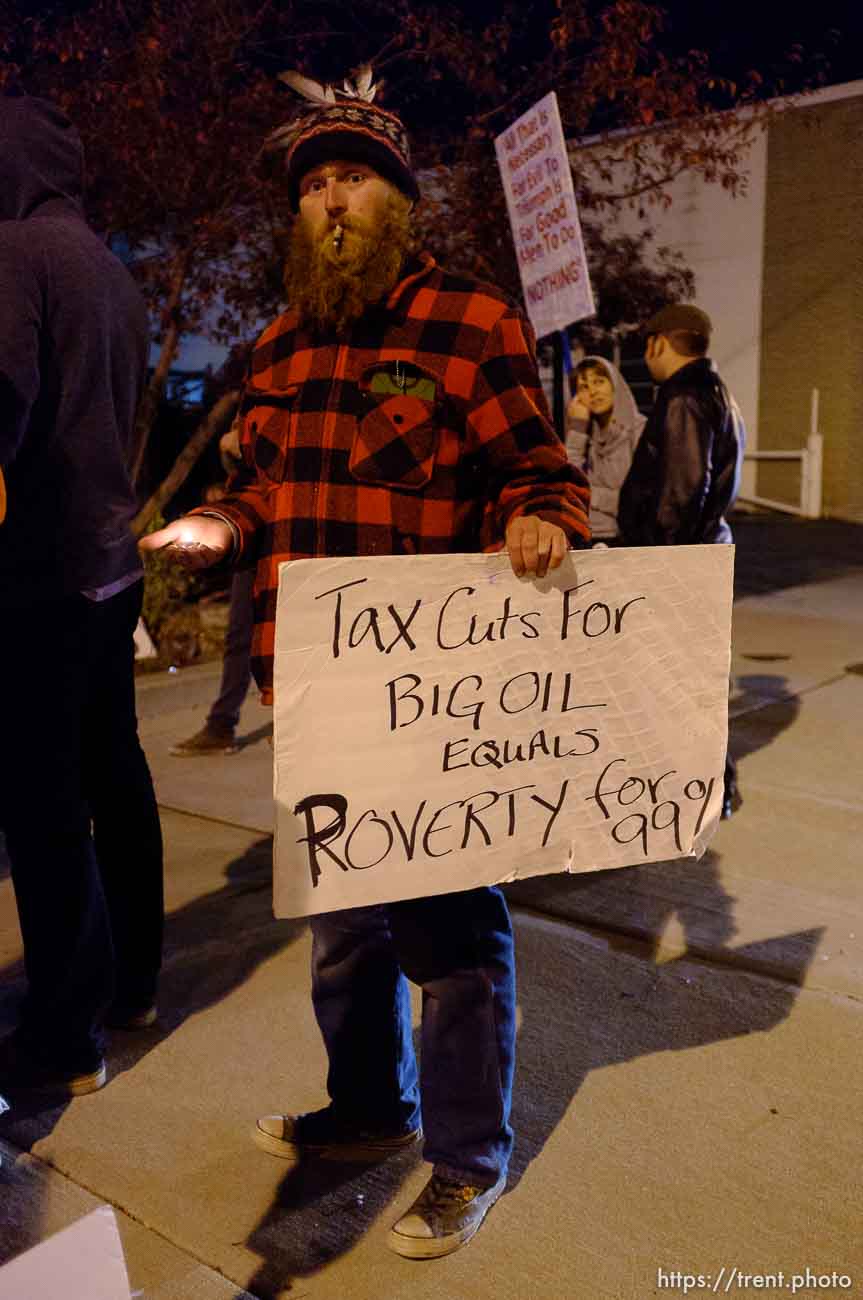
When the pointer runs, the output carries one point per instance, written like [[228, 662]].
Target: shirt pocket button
[[396, 443]]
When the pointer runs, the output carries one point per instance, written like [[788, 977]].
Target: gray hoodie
[[605, 455]]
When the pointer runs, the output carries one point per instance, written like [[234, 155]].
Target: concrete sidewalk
[[688, 1095]]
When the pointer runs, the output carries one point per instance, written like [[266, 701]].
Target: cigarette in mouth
[[338, 235]]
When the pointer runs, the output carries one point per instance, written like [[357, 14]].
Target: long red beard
[[331, 285]]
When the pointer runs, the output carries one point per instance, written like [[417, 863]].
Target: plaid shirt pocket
[[266, 417], [396, 439]]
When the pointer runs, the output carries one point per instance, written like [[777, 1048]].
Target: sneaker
[[211, 739], [320, 1134], [444, 1217], [121, 1016], [19, 1072]]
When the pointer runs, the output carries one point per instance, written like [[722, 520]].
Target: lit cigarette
[[338, 235]]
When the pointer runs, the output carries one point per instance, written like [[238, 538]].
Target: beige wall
[[721, 239], [812, 304]]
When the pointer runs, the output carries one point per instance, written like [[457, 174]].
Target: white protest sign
[[441, 724], [84, 1260], [543, 215]]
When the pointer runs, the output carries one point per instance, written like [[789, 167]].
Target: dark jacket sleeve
[[20, 318], [662, 498]]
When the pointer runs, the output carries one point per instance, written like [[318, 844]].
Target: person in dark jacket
[[685, 472], [76, 799]]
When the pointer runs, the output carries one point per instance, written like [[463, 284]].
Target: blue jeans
[[458, 949]]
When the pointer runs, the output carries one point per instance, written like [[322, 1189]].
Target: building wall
[[812, 308], [722, 241]]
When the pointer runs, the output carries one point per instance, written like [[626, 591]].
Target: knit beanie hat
[[343, 126]]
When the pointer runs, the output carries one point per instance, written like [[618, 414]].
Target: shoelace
[[441, 1194]]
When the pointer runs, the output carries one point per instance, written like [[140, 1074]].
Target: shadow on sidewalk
[[213, 944], [761, 709], [606, 1011], [775, 551], [618, 1011], [321, 1210]]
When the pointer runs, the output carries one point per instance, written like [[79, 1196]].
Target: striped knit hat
[[347, 126]]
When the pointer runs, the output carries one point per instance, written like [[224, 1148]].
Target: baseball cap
[[678, 316]]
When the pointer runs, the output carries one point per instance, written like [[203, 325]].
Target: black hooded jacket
[[685, 472], [73, 351]]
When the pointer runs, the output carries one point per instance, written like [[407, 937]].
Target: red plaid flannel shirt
[[423, 430]]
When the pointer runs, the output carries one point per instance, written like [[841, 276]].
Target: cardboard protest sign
[[83, 1260], [441, 724], [543, 214]]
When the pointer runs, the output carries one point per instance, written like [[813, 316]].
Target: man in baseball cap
[[681, 318], [685, 472]]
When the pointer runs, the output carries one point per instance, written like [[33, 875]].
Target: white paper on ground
[[144, 647], [85, 1260], [441, 724]]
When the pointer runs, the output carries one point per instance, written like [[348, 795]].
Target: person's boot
[[213, 738]]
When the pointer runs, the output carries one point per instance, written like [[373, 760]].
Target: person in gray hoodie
[[76, 798], [603, 425]]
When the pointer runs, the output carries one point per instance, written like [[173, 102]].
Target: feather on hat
[[343, 124]]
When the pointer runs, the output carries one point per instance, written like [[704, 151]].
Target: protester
[[394, 409], [603, 425], [73, 354], [685, 473], [218, 734]]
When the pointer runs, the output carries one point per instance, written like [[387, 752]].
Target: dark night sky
[[743, 34], [738, 34]]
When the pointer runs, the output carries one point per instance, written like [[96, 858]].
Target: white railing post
[[812, 467], [810, 494], [811, 459]]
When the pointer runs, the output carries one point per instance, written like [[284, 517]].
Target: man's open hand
[[534, 545], [196, 542]]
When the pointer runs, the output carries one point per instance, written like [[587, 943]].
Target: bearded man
[[394, 409]]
